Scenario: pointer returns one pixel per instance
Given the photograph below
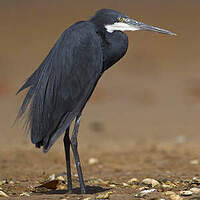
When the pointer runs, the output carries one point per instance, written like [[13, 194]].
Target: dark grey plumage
[[59, 89], [61, 85]]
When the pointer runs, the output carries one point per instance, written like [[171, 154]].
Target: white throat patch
[[119, 26]]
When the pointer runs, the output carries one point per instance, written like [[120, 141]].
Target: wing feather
[[60, 87]]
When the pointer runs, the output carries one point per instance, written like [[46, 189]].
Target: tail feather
[[34, 98], [26, 102]]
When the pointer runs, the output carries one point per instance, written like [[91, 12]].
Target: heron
[[60, 87]]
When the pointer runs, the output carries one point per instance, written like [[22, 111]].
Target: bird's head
[[113, 20]]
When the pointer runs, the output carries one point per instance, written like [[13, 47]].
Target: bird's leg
[[67, 143], [75, 152]]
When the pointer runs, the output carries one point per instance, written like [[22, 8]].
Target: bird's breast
[[114, 48]]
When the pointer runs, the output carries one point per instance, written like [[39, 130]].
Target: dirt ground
[[142, 120]]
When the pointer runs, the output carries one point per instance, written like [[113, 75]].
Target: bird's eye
[[120, 19]]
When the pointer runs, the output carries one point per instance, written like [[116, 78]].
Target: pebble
[[143, 188], [104, 196], [134, 186], [133, 181], [196, 180], [11, 182], [87, 198], [145, 192], [166, 186], [101, 182], [151, 182], [112, 185], [168, 193], [61, 187], [3, 194], [175, 197], [194, 162], [125, 184], [60, 178], [186, 193], [2, 182], [25, 194], [52, 177], [195, 190], [93, 161], [90, 198]]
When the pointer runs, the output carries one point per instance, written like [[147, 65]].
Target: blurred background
[[152, 96]]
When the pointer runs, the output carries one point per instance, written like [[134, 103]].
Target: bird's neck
[[114, 47]]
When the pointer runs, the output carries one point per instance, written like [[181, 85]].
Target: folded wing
[[60, 87]]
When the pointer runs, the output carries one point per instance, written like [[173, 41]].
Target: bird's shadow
[[89, 190]]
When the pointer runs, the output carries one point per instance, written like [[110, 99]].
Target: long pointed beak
[[142, 26]]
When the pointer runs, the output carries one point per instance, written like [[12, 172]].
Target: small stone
[[101, 182], [89, 198], [11, 182], [112, 185], [133, 181], [125, 184], [61, 187], [151, 182], [3, 182], [168, 182], [168, 193], [134, 186], [60, 178], [144, 192], [93, 161], [195, 190], [186, 193], [52, 177], [166, 186], [143, 188], [147, 191], [104, 196], [3, 194], [196, 180], [175, 197], [194, 162], [25, 194]]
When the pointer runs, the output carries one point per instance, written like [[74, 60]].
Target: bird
[[60, 87]]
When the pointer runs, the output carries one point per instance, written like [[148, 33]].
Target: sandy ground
[[143, 118]]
